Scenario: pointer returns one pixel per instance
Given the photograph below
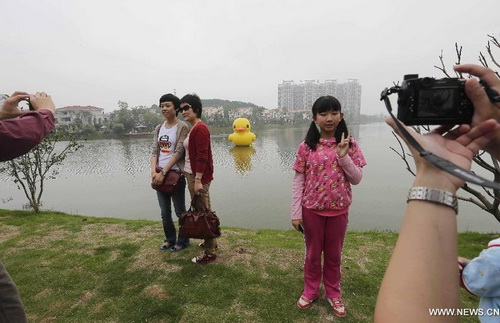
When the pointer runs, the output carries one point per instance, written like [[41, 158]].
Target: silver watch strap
[[433, 195]]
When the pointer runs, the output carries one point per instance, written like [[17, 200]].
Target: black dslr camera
[[429, 101]]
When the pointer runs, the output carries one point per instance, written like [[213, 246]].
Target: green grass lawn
[[85, 269]]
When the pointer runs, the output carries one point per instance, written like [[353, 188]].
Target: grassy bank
[[84, 269]]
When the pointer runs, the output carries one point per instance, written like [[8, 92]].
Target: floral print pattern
[[326, 186]]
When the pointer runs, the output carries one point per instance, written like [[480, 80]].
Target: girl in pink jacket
[[328, 161]]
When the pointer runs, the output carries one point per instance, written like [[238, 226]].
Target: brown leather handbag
[[170, 182], [202, 224]]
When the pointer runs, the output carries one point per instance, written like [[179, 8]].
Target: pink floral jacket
[[326, 185]]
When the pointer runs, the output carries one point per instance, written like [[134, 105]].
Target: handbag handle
[[203, 208]]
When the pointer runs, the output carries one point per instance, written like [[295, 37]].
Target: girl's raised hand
[[343, 145]]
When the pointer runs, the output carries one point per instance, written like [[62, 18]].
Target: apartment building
[[301, 96]]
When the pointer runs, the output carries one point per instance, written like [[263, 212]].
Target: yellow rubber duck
[[241, 135]]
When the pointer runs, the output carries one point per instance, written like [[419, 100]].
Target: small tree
[[486, 199], [32, 169]]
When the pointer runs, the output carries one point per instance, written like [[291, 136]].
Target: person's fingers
[[442, 129], [481, 142], [16, 93], [481, 129], [457, 132], [482, 72], [392, 123], [412, 133], [41, 95], [17, 97], [477, 94], [479, 136]]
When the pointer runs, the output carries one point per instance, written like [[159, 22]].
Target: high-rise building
[[285, 95], [301, 96]]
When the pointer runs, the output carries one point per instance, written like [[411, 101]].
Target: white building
[[244, 112], [80, 115]]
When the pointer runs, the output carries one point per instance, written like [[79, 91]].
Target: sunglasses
[[185, 108]]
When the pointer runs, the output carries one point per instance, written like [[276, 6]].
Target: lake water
[[251, 189]]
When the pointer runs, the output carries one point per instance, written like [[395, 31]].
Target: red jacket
[[200, 152]]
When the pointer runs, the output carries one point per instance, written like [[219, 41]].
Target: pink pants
[[323, 235]]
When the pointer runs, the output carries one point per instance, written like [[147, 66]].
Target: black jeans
[[165, 201], [11, 306]]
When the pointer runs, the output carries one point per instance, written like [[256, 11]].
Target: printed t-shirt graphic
[[165, 145]]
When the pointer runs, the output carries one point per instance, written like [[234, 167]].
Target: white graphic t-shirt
[[166, 141]]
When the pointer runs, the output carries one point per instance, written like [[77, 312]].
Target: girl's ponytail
[[341, 128], [312, 136]]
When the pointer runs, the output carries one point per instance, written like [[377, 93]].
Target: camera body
[[430, 101]]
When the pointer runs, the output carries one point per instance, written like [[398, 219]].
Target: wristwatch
[[434, 196], [164, 173]]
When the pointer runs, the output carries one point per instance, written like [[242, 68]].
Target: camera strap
[[437, 161]]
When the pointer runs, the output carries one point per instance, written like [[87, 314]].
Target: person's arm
[[353, 173], [297, 192], [347, 151], [422, 272], [480, 275], [298, 183], [202, 142], [153, 170], [484, 109], [19, 135], [20, 131], [154, 155]]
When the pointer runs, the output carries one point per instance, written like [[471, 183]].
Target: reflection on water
[[243, 158], [251, 187]]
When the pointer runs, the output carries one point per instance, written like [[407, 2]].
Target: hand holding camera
[[448, 102], [41, 100], [10, 107], [484, 108]]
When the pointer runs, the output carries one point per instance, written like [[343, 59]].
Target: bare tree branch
[[402, 154], [488, 48], [443, 67], [494, 40], [483, 60], [458, 50], [483, 202], [32, 169]]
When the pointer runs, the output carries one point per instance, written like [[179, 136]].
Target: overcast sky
[[96, 52]]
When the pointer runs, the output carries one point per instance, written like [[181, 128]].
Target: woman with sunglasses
[[199, 167]]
